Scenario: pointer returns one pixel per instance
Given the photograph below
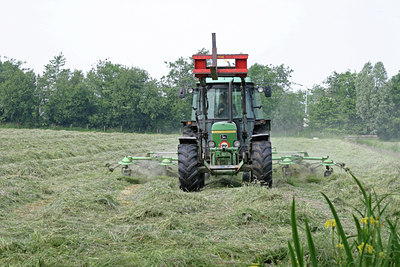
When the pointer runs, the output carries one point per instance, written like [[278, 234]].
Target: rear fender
[[260, 137], [187, 140]]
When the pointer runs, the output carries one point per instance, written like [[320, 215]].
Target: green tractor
[[227, 133]]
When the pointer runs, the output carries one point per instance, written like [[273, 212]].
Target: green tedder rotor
[[127, 161], [302, 158]]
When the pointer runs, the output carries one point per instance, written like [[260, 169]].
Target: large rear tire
[[189, 178], [262, 162]]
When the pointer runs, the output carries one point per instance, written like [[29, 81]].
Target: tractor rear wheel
[[189, 177], [262, 162]]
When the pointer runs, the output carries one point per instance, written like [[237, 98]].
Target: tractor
[[227, 133]]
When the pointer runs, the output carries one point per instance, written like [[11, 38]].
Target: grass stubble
[[60, 207]]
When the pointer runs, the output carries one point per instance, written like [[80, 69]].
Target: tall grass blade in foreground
[[393, 248], [374, 244], [358, 227], [343, 237], [299, 261], [292, 256], [311, 246], [295, 234], [367, 201]]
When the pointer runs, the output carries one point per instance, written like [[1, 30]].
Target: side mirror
[[182, 92], [267, 91]]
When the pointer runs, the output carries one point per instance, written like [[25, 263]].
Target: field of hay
[[60, 207]]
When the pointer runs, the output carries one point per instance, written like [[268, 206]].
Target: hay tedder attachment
[[164, 159], [286, 160]]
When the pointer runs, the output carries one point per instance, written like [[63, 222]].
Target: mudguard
[[187, 140], [258, 137]]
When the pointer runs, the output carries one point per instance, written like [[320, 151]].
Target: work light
[[211, 143]]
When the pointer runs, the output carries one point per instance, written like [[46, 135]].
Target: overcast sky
[[313, 37]]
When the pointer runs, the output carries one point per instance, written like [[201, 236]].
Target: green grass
[[59, 206], [376, 242], [379, 144]]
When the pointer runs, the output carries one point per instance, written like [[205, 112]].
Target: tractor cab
[[224, 109], [218, 99]]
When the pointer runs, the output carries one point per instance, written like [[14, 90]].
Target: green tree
[[373, 97], [389, 110], [366, 98], [395, 115], [100, 82], [18, 100], [48, 84], [65, 97], [289, 114], [333, 107], [134, 99], [71, 102], [285, 108], [124, 96], [323, 114], [384, 102], [180, 75]]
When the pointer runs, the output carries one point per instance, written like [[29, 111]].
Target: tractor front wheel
[[189, 178], [262, 162]]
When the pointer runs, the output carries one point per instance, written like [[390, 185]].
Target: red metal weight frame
[[239, 70]]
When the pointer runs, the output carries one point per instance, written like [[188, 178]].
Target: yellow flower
[[370, 220], [382, 255], [339, 245], [368, 248], [330, 222]]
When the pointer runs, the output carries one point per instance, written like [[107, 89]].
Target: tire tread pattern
[[262, 162], [189, 178]]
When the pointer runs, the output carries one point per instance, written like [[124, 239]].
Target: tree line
[[108, 96], [112, 96], [367, 102]]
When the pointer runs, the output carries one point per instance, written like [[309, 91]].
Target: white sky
[[313, 37]]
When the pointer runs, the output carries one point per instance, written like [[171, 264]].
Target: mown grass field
[[60, 207], [378, 144]]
